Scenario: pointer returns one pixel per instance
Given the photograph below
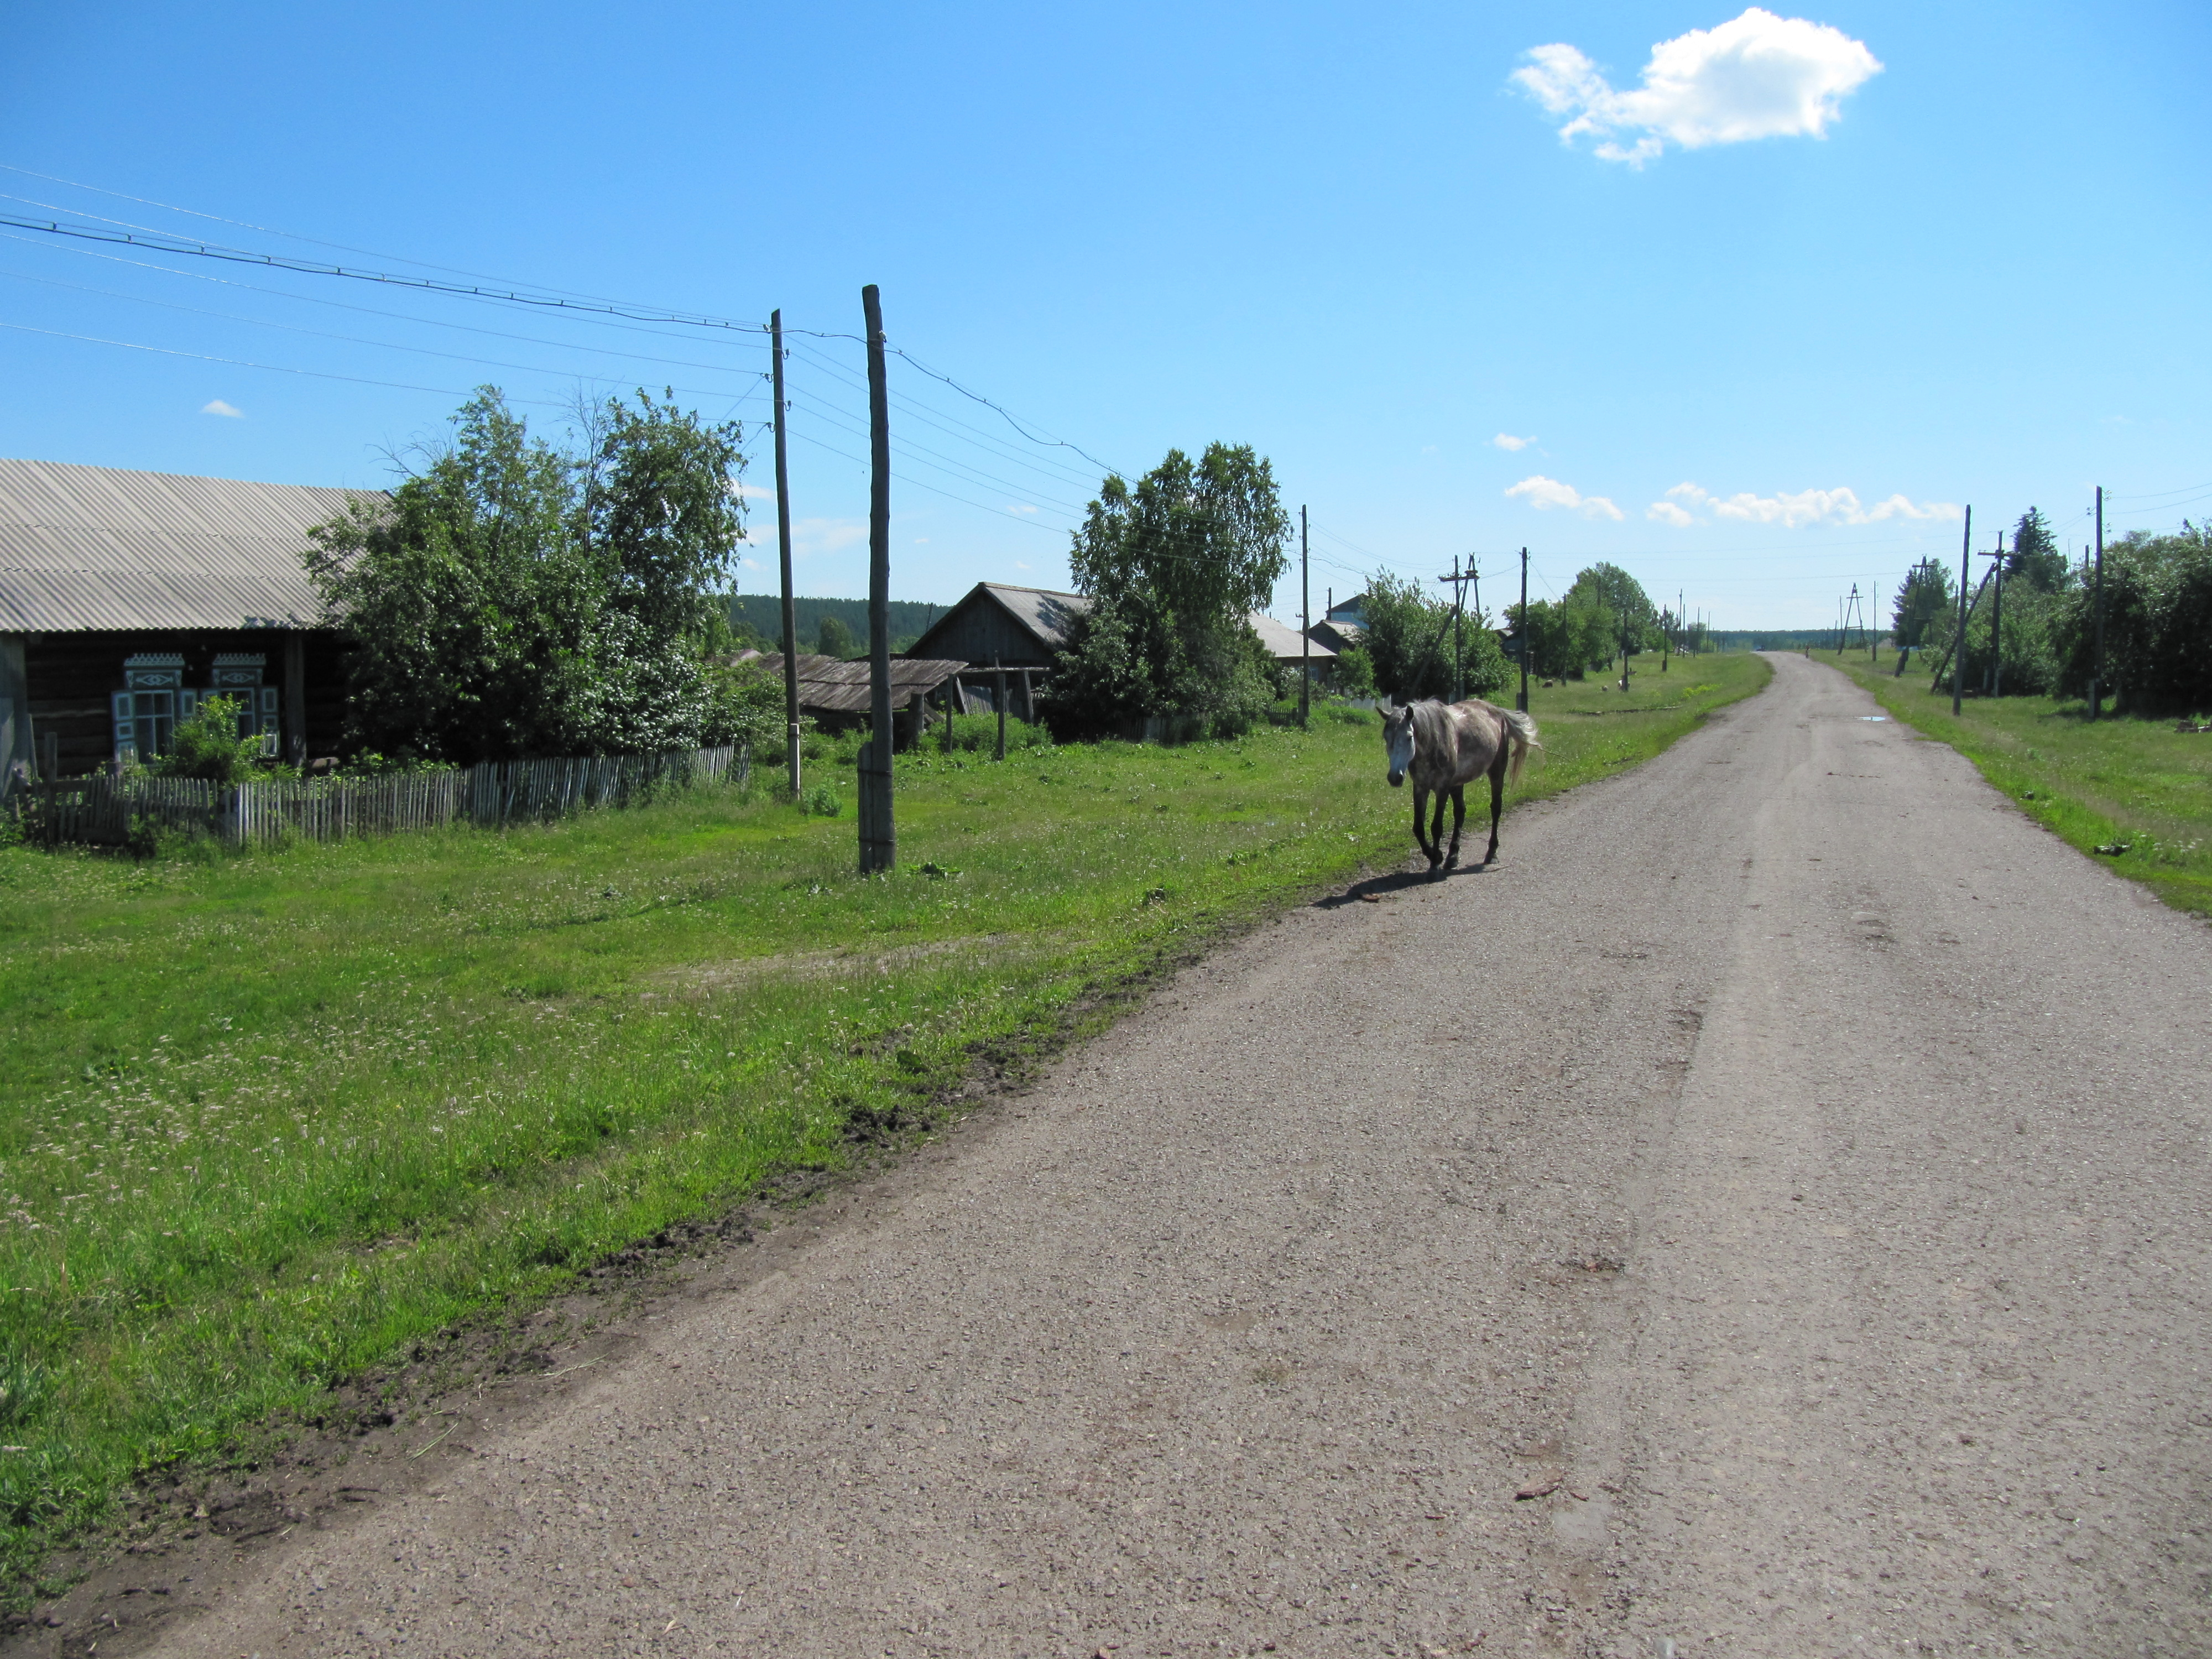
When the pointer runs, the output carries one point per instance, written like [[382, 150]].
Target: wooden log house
[[126, 598]]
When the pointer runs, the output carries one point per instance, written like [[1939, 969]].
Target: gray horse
[[1444, 747]]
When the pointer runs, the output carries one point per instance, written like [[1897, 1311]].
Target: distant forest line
[[758, 620]]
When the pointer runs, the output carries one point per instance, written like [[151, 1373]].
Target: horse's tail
[[1521, 732]]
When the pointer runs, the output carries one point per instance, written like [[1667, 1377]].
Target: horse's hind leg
[[1458, 819], [1497, 804]]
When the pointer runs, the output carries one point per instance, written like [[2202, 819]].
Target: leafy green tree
[[1927, 597], [2158, 618], [1173, 566], [514, 599], [832, 638], [1410, 638], [209, 745], [2036, 557], [1352, 674]]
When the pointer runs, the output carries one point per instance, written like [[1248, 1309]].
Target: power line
[[274, 368], [384, 346], [163, 242], [372, 311], [240, 224]]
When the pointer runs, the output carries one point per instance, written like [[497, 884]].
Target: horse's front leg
[[1420, 822], [1458, 819], [1436, 847], [1497, 804]]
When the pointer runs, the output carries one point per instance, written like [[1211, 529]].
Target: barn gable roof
[[100, 547], [1046, 614]]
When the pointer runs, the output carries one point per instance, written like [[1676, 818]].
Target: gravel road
[[1787, 1163]]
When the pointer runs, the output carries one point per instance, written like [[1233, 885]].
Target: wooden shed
[[126, 598], [1022, 629], [838, 691]]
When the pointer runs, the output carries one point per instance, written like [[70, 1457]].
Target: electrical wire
[[163, 242], [384, 345], [366, 311], [274, 368]]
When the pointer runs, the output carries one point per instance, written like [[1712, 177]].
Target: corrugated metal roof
[[1287, 644], [1045, 612], [833, 685], [97, 547]]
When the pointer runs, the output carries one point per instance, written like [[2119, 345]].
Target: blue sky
[[1347, 235]]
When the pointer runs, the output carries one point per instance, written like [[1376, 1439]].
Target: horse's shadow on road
[[1375, 889]]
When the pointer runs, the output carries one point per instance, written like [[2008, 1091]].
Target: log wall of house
[[978, 629], [70, 678]]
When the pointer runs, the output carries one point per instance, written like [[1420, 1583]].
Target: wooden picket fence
[[107, 810]]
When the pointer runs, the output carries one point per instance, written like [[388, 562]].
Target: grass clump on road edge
[[2134, 794], [271, 1118]]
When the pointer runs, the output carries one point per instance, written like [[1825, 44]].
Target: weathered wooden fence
[[110, 812]]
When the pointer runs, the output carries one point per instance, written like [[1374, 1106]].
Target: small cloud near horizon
[[1792, 510], [228, 411], [1509, 444], [1543, 493], [1756, 76]]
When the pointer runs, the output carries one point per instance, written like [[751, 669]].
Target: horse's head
[[1398, 741]]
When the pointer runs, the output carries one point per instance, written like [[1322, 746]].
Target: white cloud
[[1019, 508], [752, 564], [218, 407], [1758, 77], [1541, 492], [1509, 444], [1793, 510], [1018, 565], [922, 541], [812, 536], [752, 492]]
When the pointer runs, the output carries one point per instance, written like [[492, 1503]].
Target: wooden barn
[[126, 598], [1022, 630], [838, 692]]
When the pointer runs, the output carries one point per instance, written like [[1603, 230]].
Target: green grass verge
[[2120, 782], [271, 1118]]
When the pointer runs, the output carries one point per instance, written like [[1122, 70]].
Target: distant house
[[126, 598], [1354, 610], [1025, 628], [999, 625], [839, 692], [1338, 634]]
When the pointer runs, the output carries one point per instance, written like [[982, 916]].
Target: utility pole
[[879, 834], [1959, 643], [2097, 603], [1305, 625], [783, 556], [1459, 580], [1523, 704], [1996, 622]]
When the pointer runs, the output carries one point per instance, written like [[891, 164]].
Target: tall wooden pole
[[2097, 603], [879, 836], [783, 559], [1958, 644], [1305, 624], [1996, 626], [1522, 705]]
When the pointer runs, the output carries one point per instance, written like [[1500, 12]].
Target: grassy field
[[269, 1118], [2136, 784]]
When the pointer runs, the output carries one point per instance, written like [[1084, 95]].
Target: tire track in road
[[1643, 1162]]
